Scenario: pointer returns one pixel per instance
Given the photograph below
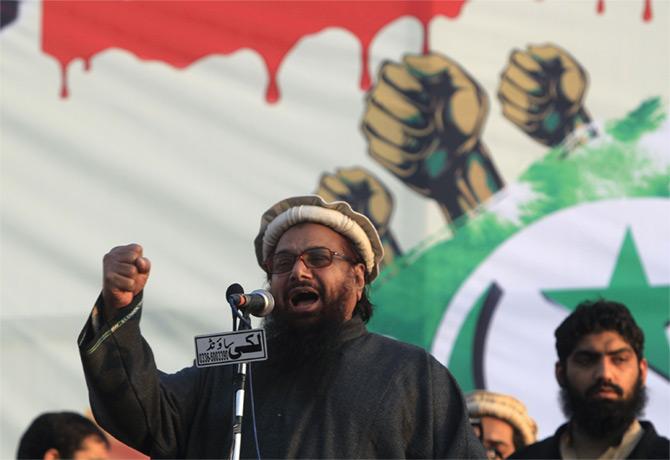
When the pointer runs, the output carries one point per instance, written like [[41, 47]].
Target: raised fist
[[423, 122], [125, 273], [366, 194], [542, 91]]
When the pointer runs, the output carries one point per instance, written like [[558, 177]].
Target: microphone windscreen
[[234, 288], [267, 304]]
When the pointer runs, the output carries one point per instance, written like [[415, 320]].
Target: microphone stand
[[239, 384]]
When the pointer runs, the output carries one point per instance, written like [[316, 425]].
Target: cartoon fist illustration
[[367, 195], [542, 91], [423, 122]]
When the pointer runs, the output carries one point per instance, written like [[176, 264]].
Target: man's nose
[[604, 369], [300, 270]]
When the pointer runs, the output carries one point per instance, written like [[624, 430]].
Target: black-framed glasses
[[283, 261]]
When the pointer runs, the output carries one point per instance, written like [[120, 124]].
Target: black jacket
[[651, 445], [373, 397]]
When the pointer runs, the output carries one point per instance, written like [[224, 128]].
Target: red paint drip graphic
[[181, 32], [647, 14]]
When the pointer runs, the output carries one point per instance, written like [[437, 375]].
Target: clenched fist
[[366, 194], [125, 272], [542, 92], [423, 123]]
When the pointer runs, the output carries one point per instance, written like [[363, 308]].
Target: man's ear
[[51, 454], [644, 366], [559, 372], [359, 274]]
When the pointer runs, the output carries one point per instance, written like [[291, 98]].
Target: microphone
[[258, 303]]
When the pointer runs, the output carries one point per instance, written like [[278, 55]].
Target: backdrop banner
[[513, 154]]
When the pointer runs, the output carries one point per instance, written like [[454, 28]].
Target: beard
[[603, 418], [294, 340]]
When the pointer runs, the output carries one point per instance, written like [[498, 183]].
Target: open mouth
[[302, 299]]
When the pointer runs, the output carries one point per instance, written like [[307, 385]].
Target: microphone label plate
[[230, 348]]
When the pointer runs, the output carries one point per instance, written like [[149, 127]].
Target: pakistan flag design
[[588, 224]]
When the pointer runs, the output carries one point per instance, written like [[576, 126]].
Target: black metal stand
[[239, 384]]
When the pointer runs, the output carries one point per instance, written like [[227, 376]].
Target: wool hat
[[338, 215], [485, 403]]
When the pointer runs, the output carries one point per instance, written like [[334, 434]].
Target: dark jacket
[[651, 445], [373, 397]]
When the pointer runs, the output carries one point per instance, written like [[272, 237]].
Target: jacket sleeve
[[141, 406]]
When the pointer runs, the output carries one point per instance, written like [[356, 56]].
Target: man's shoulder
[[651, 445], [380, 351], [547, 448], [402, 359], [544, 449], [389, 344]]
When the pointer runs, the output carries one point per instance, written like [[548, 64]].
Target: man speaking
[[330, 389]]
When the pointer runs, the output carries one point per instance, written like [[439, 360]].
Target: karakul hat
[[337, 215]]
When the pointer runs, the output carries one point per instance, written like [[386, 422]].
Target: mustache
[[302, 284], [602, 385]]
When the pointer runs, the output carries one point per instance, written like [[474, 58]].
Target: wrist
[[110, 313]]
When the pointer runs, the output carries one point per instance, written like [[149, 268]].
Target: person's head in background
[[59, 435], [501, 422], [601, 368]]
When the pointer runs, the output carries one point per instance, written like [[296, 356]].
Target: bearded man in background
[[602, 372]]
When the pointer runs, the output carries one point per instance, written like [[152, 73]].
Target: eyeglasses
[[493, 454], [283, 262]]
